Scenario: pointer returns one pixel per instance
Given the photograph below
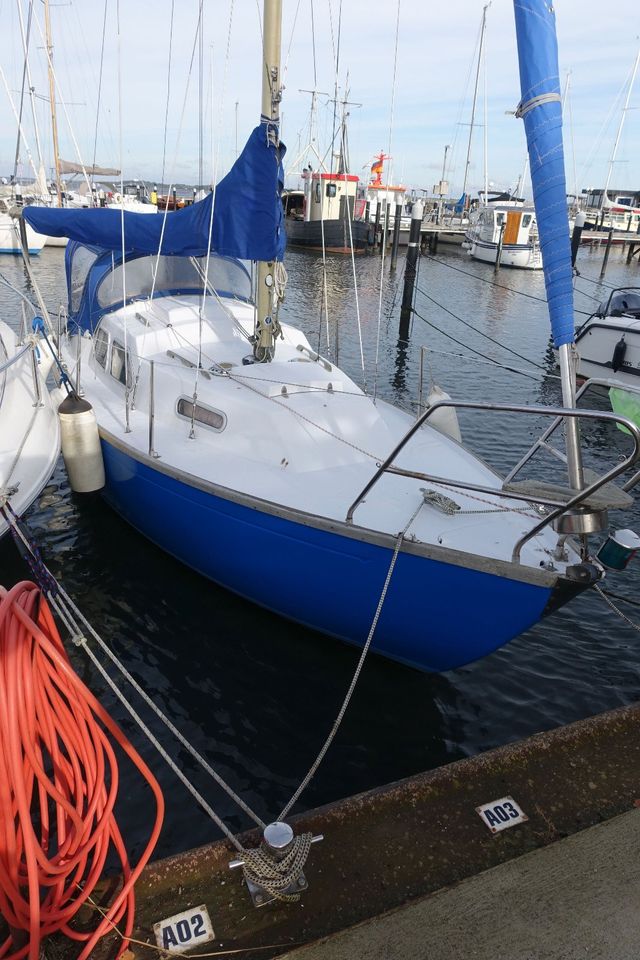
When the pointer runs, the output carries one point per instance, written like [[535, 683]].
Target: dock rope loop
[[278, 877]]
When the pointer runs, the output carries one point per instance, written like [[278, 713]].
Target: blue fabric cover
[[247, 218], [539, 74]]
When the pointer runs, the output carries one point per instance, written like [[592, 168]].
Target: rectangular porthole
[[100, 348], [120, 364], [203, 415]]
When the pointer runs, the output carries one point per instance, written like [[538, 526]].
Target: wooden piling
[[413, 252], [607, 251]]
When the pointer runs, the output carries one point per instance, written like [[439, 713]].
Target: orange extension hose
[[58, 786]]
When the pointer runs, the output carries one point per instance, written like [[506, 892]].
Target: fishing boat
[[329, 212], [29, 425], [383, 200], [233, 445]]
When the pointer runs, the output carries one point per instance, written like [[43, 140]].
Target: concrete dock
[[578, 898], [413, 869]]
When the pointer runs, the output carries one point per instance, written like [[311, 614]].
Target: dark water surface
[[257, 695]]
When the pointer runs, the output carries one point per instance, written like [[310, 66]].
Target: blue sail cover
[[247, 217], [539, 77]]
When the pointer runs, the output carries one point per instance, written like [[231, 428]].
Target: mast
[[267, 327], [52, 100], [540, 108], [475, 99], [620, 126], [26, 74]]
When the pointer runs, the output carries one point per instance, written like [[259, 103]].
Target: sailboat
[[29, 425], [233, 445]]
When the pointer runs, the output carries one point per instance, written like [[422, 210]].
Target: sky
[[119, 89]]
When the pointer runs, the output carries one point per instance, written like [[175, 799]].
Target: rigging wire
[[494, 283], [386, 216], [478, 353], [95, 136], [166, 107], [215, 159], [471, 326]]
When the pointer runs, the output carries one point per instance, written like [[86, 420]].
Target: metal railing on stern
[[557, 508]]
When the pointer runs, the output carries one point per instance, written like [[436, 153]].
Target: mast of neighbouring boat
[[475, 100], [52, 100], [267, 327], [604, 199], [26, 75], [541, 109]]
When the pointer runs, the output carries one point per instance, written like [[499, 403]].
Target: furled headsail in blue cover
[[541, 108], [247, 217]]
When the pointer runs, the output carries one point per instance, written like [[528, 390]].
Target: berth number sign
[[500, 814], [184, 930]]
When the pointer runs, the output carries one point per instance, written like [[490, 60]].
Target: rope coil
[[278, 876]]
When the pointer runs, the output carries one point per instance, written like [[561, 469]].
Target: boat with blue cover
[[231, 444]]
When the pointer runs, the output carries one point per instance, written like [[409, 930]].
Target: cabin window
[[526, 220], [101, 345], [206, 416], [227, 276], [120, 364], [318, 195], [500, 219], [331, 190], [83, 260]]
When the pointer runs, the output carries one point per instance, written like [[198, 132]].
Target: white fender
[[446, 419], [81, 449]]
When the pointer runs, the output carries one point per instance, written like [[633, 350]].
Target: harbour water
[[257, 695]]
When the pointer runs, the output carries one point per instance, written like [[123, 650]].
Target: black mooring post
[[607, 251], [376, 226], [413, 252], [576, 235], [396, 236]]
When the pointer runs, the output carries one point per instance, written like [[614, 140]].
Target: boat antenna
[[267, 326]]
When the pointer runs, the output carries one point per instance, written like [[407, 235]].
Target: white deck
[[313, 449]]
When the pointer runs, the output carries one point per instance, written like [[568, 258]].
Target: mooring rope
[[607, 599], [363, 656]]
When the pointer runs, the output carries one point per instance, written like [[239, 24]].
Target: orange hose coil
[[58, 786]]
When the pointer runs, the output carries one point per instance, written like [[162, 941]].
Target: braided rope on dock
[[277, 877]]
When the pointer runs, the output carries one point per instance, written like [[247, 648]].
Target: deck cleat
[[274, 870]]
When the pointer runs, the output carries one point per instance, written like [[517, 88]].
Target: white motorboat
[[505, 233], [608, 342]]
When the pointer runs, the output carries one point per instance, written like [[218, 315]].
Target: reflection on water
[[256, 695]]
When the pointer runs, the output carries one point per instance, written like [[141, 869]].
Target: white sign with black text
[[500, 814], [184, 930]]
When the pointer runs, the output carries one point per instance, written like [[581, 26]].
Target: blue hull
[[436, 616]]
